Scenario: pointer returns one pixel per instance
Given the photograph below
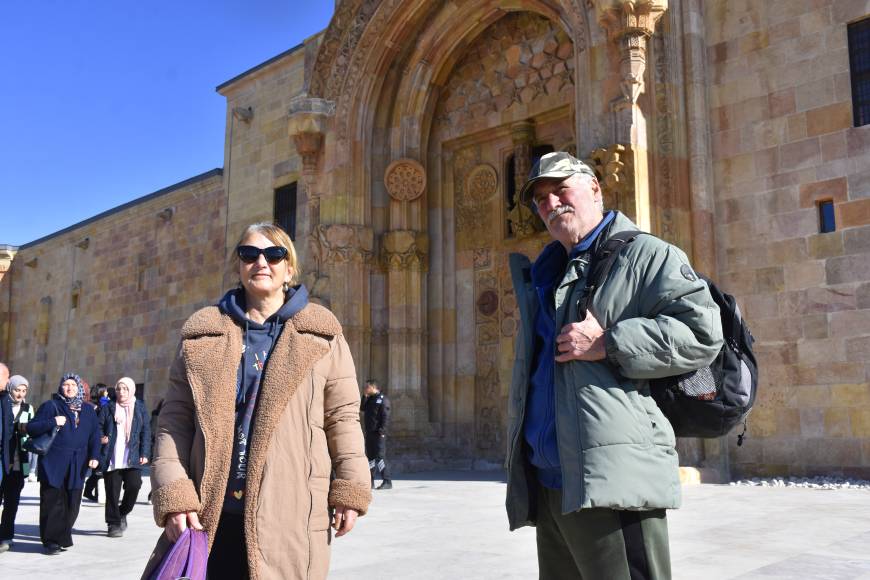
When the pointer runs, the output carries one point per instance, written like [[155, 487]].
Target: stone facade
[[107, 298], [782, 140], [407, 125]]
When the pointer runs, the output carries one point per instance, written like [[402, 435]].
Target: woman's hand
[[143, 460], [178, 522], [93, 463], [104, 439], [345, 518], [60, 420]]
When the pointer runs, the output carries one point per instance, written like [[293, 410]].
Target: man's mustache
[[559, 211]]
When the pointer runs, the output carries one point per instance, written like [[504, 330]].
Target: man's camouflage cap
[[556, 165]]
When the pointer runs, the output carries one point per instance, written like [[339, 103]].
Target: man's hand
[[104, 439], [581, 341], [344, 520], [93, 463], [143, 460]]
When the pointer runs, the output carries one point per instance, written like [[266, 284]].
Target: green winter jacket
[[616, 448]]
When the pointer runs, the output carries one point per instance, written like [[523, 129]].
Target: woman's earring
[[286, 286]]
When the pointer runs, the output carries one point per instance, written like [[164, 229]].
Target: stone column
[[629, 23], [405, 255], [307, 119], [405, 251]]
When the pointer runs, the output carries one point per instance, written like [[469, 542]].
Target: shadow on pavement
[[490, 475]]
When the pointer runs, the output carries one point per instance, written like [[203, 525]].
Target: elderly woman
[[127, 433], [62, 470], [13, 483], [258, 439]]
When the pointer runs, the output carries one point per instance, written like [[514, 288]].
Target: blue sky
[[106, 101]]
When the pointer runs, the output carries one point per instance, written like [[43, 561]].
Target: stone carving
[[614, 166], [508, 327], [405, 250], [482, 258], [487, 303], [341, 243], [405, 179], [631, 23], [306, 124], [520, 58], [482, 183]]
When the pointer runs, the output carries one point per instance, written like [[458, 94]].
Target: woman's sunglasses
[[250, 254]]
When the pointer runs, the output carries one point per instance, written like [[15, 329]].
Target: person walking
[[6, 421], [13, 483], [376, 408], [591, 459], [76, 447], [99, 399], [258, 439], [125, 425]]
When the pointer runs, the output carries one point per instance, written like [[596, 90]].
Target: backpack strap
[[602, 261]]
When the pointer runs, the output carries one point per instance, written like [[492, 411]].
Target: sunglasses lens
[[248, 254], [275, 254]]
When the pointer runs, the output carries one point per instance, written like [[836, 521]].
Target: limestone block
[[800, 154], [812, 422], [826, 245], [796, 127], [820, 351], [850, 323], [770, 280], [805, 274], [858, 349], [860, 422], [854, 213], [829, 118], [814, 94], [831, 189], [833, 146], [844, 269]]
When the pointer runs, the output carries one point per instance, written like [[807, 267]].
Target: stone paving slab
[[452, 526]]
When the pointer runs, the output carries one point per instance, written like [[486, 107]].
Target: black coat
[[377, 410], [7, 434], [66, 462], [140, 435]]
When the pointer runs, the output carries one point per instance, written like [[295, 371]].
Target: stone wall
[[107, 298], [782, 140]]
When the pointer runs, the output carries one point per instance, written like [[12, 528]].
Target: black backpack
[[708, 402]]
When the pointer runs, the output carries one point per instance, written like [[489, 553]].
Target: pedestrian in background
[[376, 407], [62, 470], [99, 399], [125, 426], [13, 483]]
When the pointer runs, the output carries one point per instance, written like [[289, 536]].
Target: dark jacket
[[7, 434], [66, 462], [140, 435], [377, 410]]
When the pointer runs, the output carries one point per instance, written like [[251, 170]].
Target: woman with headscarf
[[125, 424], [62, 470], [258, 440], [13, 483]]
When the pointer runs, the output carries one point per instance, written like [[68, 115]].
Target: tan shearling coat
[[306, 425]]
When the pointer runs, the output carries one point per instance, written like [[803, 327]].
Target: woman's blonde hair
[[275, 234]]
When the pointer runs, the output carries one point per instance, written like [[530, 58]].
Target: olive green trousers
[[600, 543]]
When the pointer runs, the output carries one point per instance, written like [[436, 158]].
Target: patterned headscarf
[[74, 403]]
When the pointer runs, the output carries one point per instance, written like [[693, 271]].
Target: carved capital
[[405, 250], [631, 23], [405, 179], [614, 166], [306, 124], [341, 243]]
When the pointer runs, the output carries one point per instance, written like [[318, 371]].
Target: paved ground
[[452, 526]]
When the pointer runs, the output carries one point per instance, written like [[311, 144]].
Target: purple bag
[[187, 559]]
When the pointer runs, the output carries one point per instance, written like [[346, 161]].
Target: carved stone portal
[[614, 166]]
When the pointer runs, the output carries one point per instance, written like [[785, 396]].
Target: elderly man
[[591, 460]]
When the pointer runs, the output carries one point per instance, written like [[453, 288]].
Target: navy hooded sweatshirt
[[258, 342], [539, 428]]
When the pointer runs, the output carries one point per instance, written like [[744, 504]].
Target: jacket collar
[[212, 322]]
